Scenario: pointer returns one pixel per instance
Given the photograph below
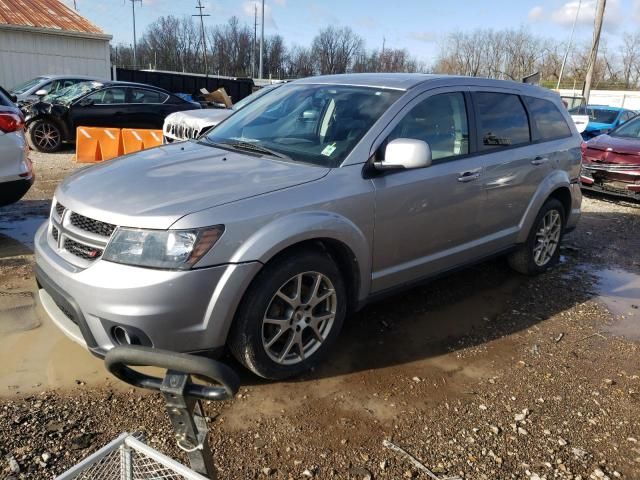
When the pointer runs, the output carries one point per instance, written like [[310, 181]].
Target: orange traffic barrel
[[95, 144], [134, 140]]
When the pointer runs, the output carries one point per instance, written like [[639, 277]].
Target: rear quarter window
[[547, 120], [502, 120]]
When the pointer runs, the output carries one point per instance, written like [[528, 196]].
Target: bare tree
[[630, 59], [335, 49]]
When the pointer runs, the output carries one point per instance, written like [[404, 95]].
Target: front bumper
[[611, 180], [183, 311]]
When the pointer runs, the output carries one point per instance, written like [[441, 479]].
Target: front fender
[[289, 230], [555, 180]]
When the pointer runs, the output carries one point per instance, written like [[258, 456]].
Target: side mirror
[[405, 153], [41, 93], [13, 98]]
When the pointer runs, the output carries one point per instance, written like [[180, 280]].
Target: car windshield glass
[[253, 97], [69, 94], [630, 129], [23, 87], [598, 115], [318, 124]]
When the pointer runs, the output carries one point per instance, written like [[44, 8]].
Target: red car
[[611, 162]]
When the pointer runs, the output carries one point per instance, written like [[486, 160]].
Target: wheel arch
[[52, 118], [556, 185]]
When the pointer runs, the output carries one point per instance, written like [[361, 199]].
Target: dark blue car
[[602, 118]]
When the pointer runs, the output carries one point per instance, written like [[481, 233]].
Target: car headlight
[[167, 249]]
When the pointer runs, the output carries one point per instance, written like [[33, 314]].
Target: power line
[[566, 54], [201, 7]]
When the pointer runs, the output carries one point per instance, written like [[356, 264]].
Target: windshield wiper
[[252, 147]]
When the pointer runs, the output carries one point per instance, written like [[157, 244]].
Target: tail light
[[10, 122]]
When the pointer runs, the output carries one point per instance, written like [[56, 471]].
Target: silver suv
[[302, 207]]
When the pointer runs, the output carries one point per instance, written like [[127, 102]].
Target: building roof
[[45, 14]]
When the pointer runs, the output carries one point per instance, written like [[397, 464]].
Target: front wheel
[[290, 316], [45, 136], [541, 251]]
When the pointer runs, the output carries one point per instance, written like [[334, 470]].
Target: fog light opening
[[123, 337]]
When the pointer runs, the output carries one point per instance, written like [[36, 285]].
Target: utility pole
[[200, 7], [384, 42], [261, 39], [566, 54], [135, 43], [593, 57], [255, 35]]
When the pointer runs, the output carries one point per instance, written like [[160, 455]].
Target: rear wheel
[[290, 316], [541, 251], [45, 136]]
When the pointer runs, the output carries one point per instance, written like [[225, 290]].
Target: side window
[[502, 120], [47, 87], [441, 121], [549, 122], [108, 96], [139, 95]]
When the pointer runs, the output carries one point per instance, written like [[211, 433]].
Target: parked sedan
[[611, 162], [190, 125], [54, 120], [34, 89], [16, 174], [602, 119]]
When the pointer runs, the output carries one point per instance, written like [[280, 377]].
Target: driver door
[[104, 108], [426, 218]]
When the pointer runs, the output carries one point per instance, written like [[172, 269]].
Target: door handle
[[539, 160], [469, 176]]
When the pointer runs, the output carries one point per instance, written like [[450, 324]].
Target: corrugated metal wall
[[24, 55]]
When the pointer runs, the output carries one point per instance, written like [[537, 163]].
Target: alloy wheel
[[547, 238], [46, 136], [299, 318]]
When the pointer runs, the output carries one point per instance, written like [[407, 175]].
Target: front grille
[[85, 252], [82, 238], [90, 225]]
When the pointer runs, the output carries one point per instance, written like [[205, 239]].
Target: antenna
[[201, 7], [135, 43]]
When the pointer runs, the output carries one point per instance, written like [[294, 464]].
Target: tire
[[524, 259], [45, 136], [272, 349], [12, 192]]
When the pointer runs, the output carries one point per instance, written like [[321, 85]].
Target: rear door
[[426, 218], [514, 167], [148, 108]]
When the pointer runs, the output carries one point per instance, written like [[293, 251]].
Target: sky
[[418, 25]]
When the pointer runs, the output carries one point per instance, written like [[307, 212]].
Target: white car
[[191, 124], [16, 172]]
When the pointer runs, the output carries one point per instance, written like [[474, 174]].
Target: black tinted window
[[147, 96], [549, 122], [502, 120]]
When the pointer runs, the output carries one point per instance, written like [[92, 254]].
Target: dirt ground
[[483, 374]]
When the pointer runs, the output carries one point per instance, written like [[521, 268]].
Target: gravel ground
[[483, 374]]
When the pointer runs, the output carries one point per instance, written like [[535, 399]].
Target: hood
[[622, 145], [156, 187], [197, 119]]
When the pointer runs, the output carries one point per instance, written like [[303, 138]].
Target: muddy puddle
[[619, 291], [16, 235]]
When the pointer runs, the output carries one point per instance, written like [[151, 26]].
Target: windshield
[[253, 97], [630, 129], [23, 87], [599, 115], [317, 124], [69, 94]]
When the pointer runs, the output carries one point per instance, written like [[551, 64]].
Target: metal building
[[39, 37]]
